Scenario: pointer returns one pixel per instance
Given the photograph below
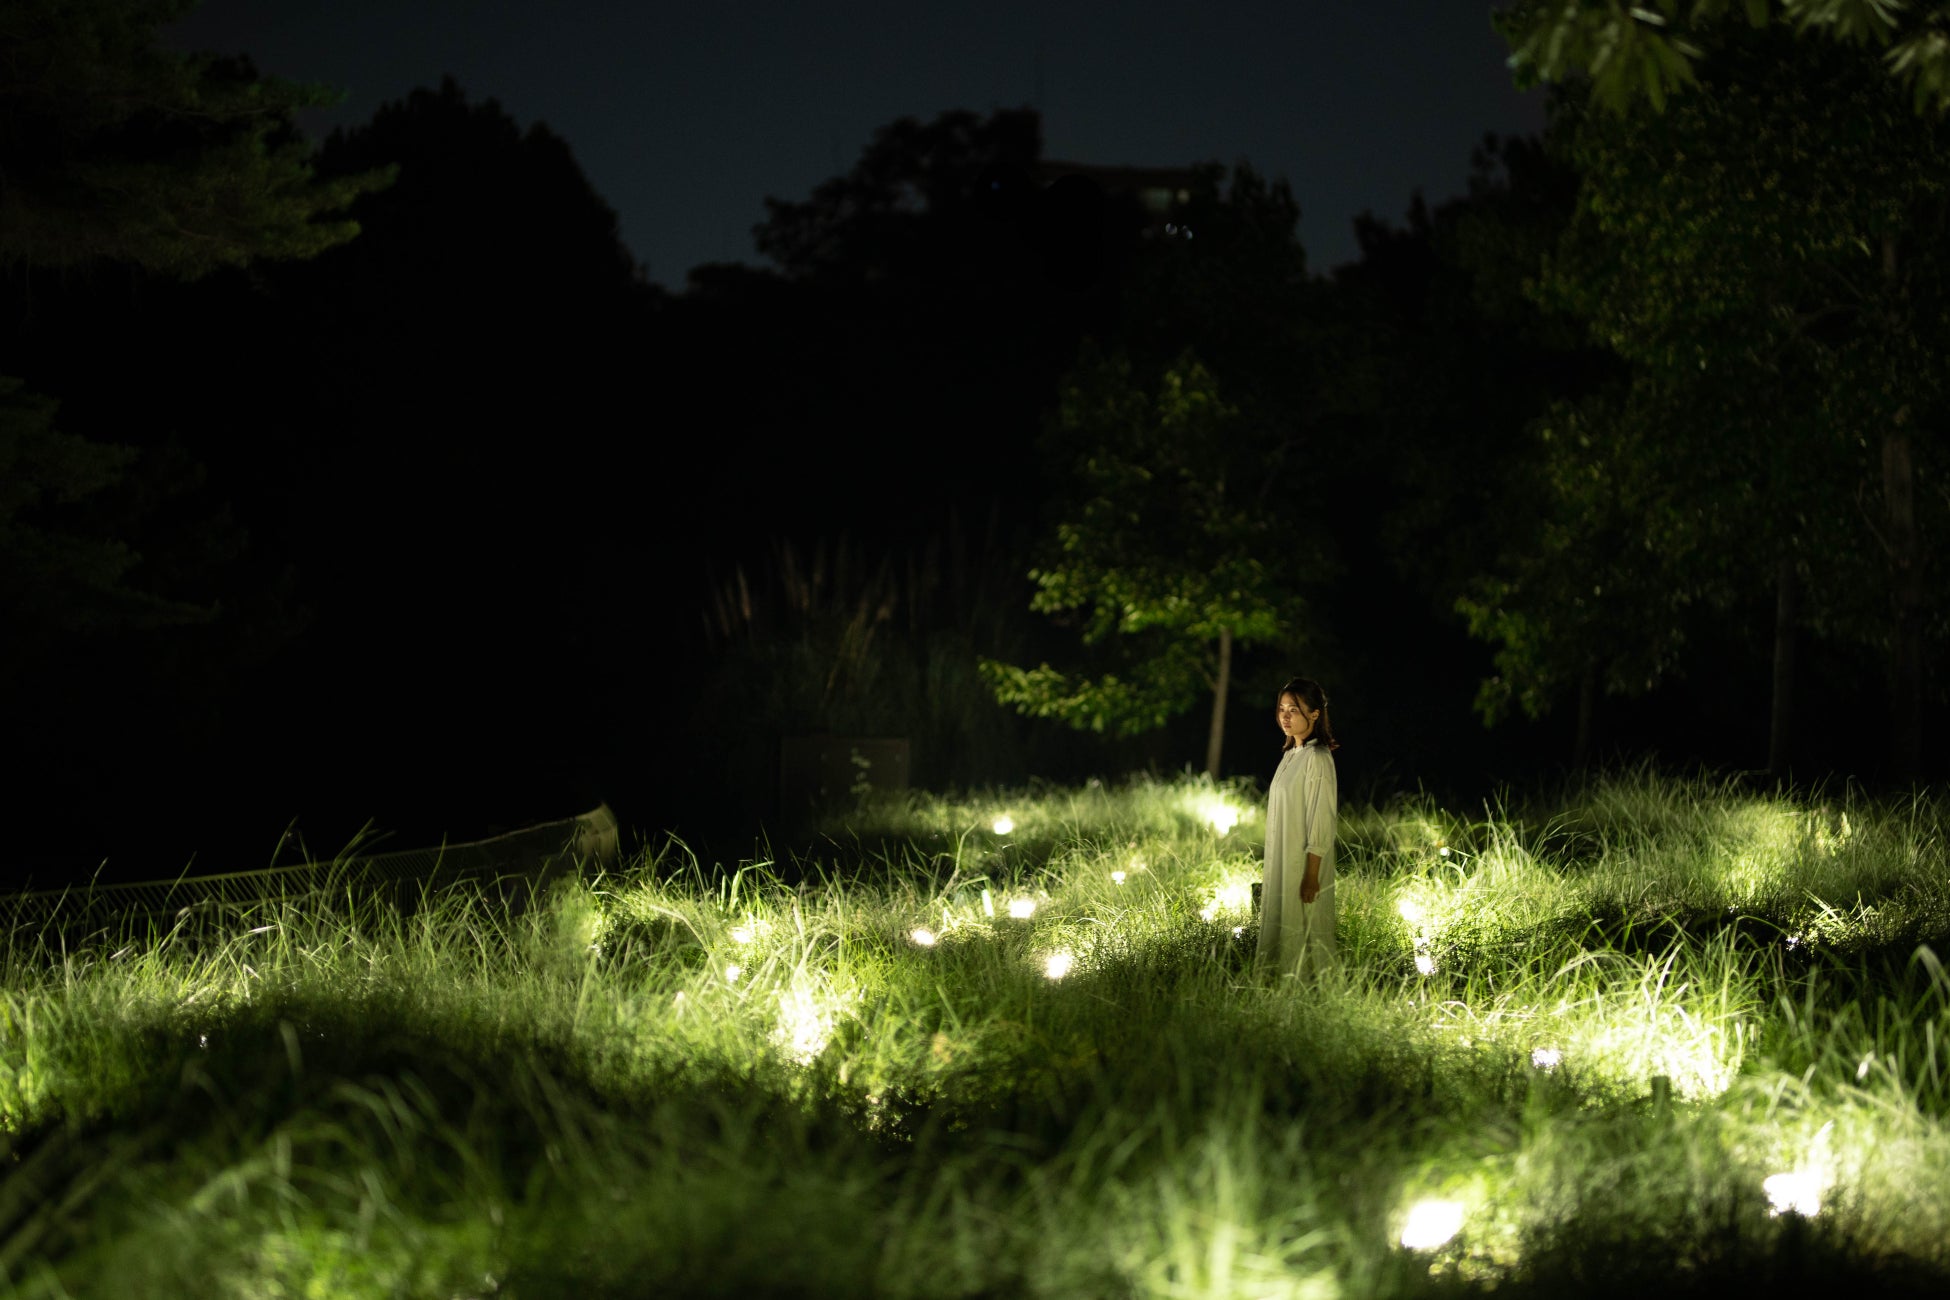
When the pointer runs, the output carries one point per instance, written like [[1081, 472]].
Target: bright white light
[[1796, 1192], [988, 904], [1238, 931], [1208, 912], [1444, 850], [1022, 909], [1218, 814], [1545, 1058], [1424, 964], [923, 937], [1862, 1069], [741, 934], [1117, 876], [804, 1026], [1058, 964], [1411, 911], [1003, 825], [732, 972], [1431, 1224]]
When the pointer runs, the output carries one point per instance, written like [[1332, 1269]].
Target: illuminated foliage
[[1167, 556]]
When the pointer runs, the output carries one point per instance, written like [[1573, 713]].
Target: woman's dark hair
[[1308, 692]]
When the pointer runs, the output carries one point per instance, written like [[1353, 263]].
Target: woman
[[1296, 921]]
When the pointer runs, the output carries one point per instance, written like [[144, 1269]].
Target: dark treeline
[[457, 523]]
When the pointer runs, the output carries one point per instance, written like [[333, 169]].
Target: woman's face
[[1296, 720]]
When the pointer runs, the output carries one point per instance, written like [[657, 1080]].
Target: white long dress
[[1297, 938]]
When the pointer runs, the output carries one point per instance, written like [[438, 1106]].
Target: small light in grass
[[678, 1001], [988, 904], [1021, 909], [1411, 911], [1218, 814], [923, 937], [1444, 850], [1862, 1067], [203, 1040], [741, 934], [1238, 931], [1058, 964], [1117, 877], [1545, 1058], [732, 972], [1003, 825], [1208, 912], [1431, 1224], [1424, 964], [1796, 1192]]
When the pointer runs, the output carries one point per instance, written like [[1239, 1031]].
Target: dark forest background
[[458, 523]]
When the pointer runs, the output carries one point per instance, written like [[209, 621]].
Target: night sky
[[686, 116]]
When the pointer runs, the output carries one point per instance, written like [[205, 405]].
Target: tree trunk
[[1906, 590], [1905, 568], [1215, 740], [1587, 705], [1787, 611]]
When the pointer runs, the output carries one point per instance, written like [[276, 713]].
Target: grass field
[[1649, 1034]]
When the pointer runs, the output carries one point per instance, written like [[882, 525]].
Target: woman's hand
[[1310, 883]]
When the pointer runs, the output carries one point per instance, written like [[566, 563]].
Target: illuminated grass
[[1659, 1029]]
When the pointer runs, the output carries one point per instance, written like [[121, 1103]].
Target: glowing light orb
[[1058, 964], [1444, 850], [1117, 877], [1208, 912], [804, 1026], [923, 937], [1795, 1192], [732, 972], [1003, 825], [1218, 814], [741, 934], [1431, 1224], [1021, 909], [1424, 964], [1238, 931], [1546, 1058], [1411, 911]]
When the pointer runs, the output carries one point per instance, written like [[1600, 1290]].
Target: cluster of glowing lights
[[1058, 964], [1546, 1058], [1117, 877], [922, 937], [1003, 825], [1021, 909], [1432, 1224], [1424, 964]]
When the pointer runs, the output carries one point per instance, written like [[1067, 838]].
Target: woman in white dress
[[1296, 920]]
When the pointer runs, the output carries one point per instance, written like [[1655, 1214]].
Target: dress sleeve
[[1323, 804]]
